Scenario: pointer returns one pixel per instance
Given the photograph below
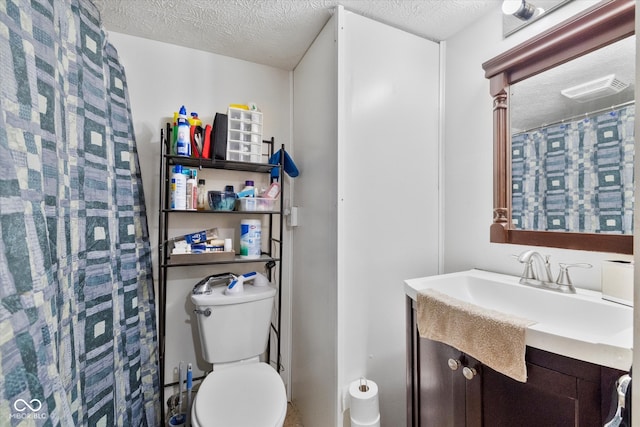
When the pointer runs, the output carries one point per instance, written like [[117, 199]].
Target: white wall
[[160, 78], [314, 307], [366, 134], [388, 198], [468, 154]]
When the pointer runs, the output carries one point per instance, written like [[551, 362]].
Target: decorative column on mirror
[[501, 160]]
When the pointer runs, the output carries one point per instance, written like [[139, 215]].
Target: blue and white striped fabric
[[576, 176], [78, 344]]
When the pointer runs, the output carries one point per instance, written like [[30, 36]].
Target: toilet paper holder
[[363, 387]]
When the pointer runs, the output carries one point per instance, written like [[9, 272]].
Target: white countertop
[[582, 325]]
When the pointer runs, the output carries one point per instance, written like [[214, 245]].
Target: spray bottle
[[174, 134], [183, 139], [196, 135], [194, 120]]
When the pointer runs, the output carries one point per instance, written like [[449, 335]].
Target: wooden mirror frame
[[598, 26]]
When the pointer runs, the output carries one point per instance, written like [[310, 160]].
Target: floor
[[293, 417]]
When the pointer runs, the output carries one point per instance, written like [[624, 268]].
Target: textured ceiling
[[537, 101], [276, 32]]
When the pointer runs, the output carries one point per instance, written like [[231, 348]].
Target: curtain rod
[[579, 116]]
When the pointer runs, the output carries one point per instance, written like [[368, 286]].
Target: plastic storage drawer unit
[[244, 135]]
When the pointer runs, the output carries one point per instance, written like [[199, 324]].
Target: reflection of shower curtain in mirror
[[78, 343], [576, 176]]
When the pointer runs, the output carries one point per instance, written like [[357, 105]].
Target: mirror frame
[[598, 26]]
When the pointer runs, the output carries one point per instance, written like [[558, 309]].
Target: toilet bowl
[[246, 395]]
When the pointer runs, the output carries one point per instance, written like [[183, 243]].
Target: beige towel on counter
[[496, 339]]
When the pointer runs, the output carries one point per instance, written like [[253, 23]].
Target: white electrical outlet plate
[[293, 216]]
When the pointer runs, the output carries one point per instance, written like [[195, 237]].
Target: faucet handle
[[522, 257], [564, 281], [526, 256], [527, 273]]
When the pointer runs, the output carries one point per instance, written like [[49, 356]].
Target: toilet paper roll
[[365, 410], [376, 423]]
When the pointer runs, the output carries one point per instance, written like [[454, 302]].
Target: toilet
[[233, 326]]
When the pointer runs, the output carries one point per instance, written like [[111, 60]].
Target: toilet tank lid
[[219, 297], [246, 395]]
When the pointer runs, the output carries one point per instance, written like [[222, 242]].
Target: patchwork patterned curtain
[[576, 176], [78, 341]]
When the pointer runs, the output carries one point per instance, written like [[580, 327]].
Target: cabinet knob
[[453, 364], [469, 373]]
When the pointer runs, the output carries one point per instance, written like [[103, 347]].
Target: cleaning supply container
[[250, 238], [183, 138], [178, 189], [248, 190]]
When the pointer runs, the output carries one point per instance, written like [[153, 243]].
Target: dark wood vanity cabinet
[[559, 391], [444, 397]]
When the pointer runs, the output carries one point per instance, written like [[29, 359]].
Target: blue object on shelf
[[222, 200], [289, 166]]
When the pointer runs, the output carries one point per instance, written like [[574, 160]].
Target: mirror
[[597, 27], [572, 144]]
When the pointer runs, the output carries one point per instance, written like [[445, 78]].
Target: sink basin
[[582, 325]]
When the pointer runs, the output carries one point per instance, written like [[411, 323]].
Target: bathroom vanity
[[559, 390], [446, 387]]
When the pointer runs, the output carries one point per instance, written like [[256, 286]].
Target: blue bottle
[[183, 140]]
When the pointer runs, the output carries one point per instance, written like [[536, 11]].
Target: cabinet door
[[548, 398], [442, 390]]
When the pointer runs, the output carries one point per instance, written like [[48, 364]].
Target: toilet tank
[[234, 327]]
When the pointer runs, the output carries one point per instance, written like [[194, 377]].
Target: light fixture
[[594, 89], [521, 9]]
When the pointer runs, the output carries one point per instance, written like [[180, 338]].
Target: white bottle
[[250, 238], [192, 192], [248, 190], [178, 189]]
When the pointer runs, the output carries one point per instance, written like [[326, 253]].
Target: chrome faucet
[[537, 272], [532, 275]]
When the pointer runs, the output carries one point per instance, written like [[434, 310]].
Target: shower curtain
[[78, 342], [576, 176]]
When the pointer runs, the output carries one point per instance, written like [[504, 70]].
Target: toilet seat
[[251, 395]]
